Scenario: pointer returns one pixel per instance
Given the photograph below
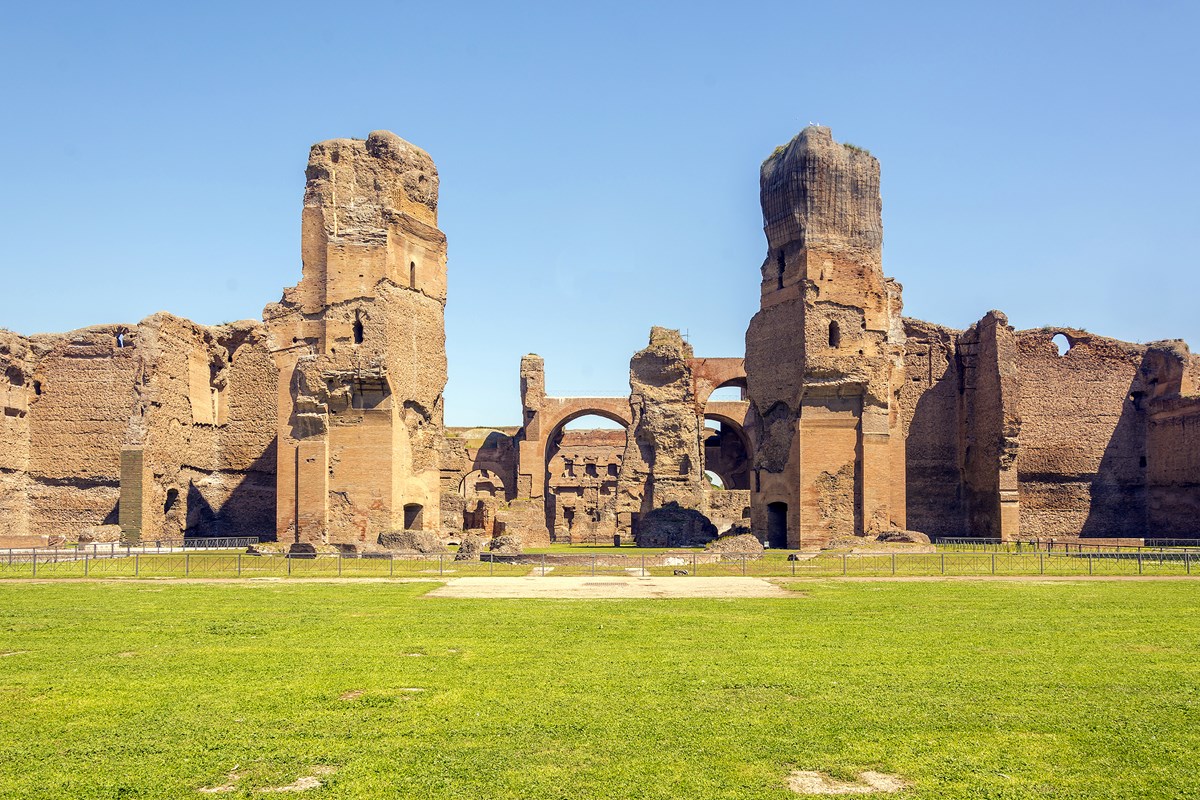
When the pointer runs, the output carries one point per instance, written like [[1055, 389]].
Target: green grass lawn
[[967, 689]]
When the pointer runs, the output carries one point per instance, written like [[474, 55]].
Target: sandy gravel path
[[612, 587]]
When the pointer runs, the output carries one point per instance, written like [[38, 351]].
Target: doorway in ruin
[[777, 522], [583, 466], [412, 516]]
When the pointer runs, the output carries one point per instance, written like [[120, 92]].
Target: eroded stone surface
[[322, 426]]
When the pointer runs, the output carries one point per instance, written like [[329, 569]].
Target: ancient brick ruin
[[323, 423]]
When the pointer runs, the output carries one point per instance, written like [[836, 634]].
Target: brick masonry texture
[[322, 424]]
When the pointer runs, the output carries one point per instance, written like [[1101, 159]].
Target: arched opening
[[358, 330], [412, 274], [714, 479], [726, 451], [481, 483], [412, 516], [1062, 343], [483, 492], [729, 393], [835, 334], [777, 525], [583, 466]]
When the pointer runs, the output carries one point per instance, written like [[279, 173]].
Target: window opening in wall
[[779, 264], [1062, 343], [590, 470], [835, 335], [172, 499], [412, 516], [358, 330], [37, 387], [612, 470], [412, 274], [366, 395]]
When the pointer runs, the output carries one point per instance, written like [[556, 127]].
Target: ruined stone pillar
[[360, 344], [991, 430], [824, 354], [663, 463], [531, 450]]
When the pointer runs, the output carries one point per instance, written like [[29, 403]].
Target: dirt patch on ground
[[811, 782], [353, 694], [302, 784], [230, 784], [616, 587]]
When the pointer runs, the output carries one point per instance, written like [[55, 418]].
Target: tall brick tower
[[360, 344], [824, 354]]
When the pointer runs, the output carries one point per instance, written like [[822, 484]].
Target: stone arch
[[482, 481], [711, 374], [580, 488]]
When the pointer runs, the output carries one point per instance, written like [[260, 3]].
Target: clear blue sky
[[599, 164]]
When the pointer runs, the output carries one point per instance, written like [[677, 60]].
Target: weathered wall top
[[361, 183], [816, 192]]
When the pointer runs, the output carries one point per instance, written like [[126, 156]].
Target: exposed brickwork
[[324, 425]]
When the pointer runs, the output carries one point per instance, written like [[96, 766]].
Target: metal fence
[[188, 564], [1070, 546], [97, 550]]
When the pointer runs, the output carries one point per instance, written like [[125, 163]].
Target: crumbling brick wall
[[929, 403], [1082, 456]]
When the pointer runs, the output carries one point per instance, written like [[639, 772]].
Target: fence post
[[289, 563], [340, 563], [442, 564], [187, 564], [85, 565], [893, 564], [843, 565], [35, 563], [793, 569], [993, 563], [1041, 563], [391, 564], [1089, 563], [1139, 561], [693, 563], [491, 565], [943, 563], [743, 566], [643, 566], [593, 566], [543, 565], [1187, 562], [137, 567], [239, 565]]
